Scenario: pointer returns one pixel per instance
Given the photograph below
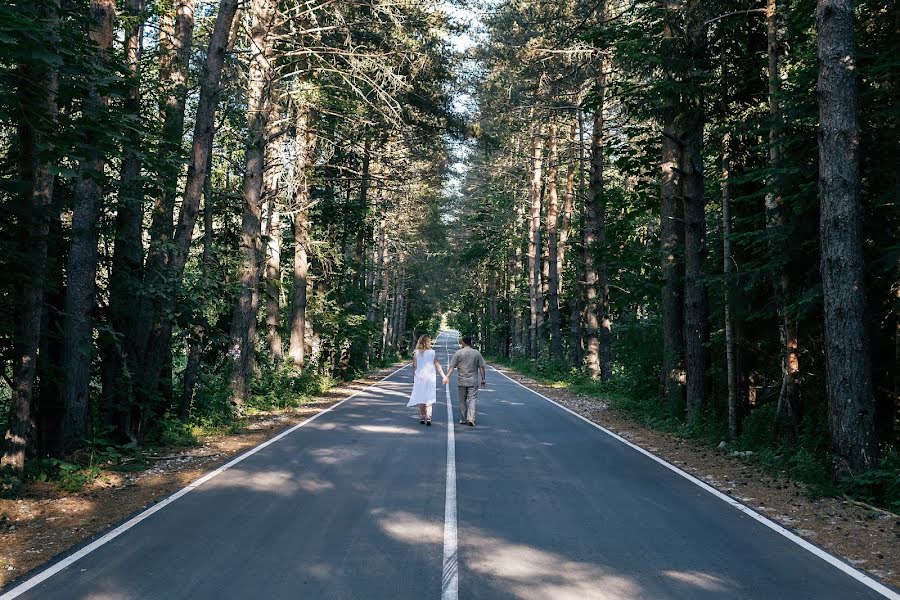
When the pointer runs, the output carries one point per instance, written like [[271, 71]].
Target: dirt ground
[[866, 537], [45, 522]]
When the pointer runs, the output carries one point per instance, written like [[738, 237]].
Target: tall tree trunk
[[513, 266], [556, 347], [397, 312], [82, 264], [158, 346], [362, 233], [297, 351], [303, 145], [673, 376], [568, 204], [37, 97], [378, 273], [672, 244], [273, 284], [848, 360], [789, 408], [603, 298], [545, 289], [401, 315], [176, 35], [736, 400], [198, 335], [577, 316], [516, 323], [47, 396], [152, 337], [120, 349], [602, 275], [272, 180], [594, 226], [696, 303], [243, 324], [383, 303], [493, 314], [534, 244]]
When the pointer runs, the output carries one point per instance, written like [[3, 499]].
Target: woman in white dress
[[424, 392]]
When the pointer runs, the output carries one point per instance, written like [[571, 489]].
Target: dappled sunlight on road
[[408, 528], [333, 456], [314, 485], [383, 391], [279, 482], [389, 429], [704, 581], [528, 572]]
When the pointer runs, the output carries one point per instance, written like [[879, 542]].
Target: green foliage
[[212, 409], [880, 487], [68, 477], [283, 388], [174, 432], [636, 356], [757, 431], [72, 478]]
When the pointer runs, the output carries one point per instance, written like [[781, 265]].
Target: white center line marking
[[450, 578]]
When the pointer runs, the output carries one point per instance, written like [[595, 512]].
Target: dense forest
[[694, 205], [210, 207]]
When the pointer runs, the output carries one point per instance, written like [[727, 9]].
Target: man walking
[[467, 361]]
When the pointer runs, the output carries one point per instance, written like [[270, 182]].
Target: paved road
[[352, 505]]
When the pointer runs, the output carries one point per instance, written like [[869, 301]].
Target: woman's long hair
[[424, 342]]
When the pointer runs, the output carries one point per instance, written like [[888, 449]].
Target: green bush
[[174, 432], [812, 468], [212, 409], [69, 477], [636, 357], [281, 388], [881, 486], [758, 431], [74, 477]]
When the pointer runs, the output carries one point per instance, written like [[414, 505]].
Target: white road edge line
[[69, 560], [450, 574], [829, 558]]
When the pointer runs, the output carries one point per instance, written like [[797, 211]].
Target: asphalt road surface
[[357, 504]]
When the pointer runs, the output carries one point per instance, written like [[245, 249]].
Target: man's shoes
[[428, 422], [422, 421], [470, 423], [462, 421]]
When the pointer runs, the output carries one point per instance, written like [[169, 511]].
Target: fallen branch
[[847, 498]]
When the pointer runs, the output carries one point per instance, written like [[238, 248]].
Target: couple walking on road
[[467, 360]]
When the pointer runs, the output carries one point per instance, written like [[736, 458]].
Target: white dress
[[425, 380]]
